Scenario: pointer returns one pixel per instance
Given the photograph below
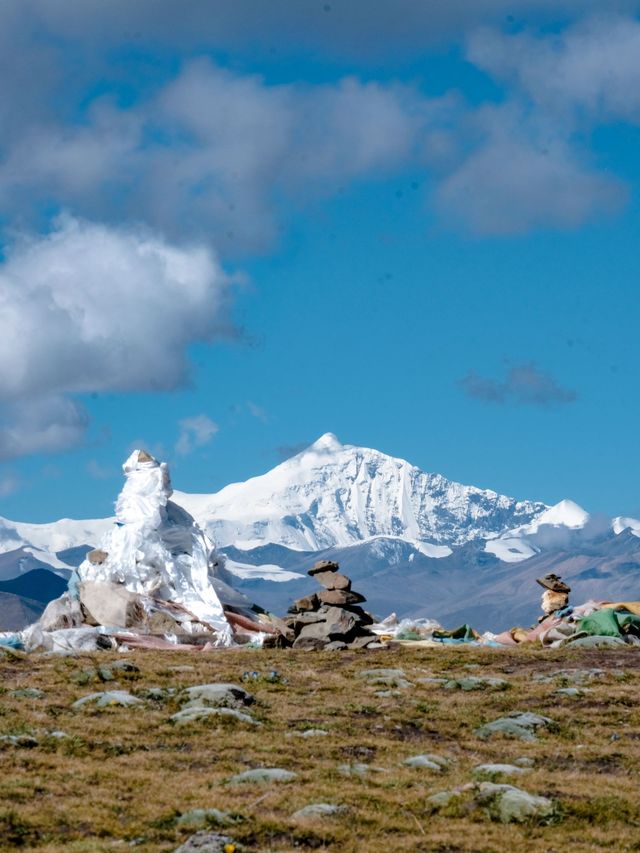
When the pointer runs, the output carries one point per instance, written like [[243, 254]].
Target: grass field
[[124, 776]]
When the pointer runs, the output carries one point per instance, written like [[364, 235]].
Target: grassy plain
[[123, 777]]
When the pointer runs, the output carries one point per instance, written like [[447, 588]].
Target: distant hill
[[38, 585], [16, 612]]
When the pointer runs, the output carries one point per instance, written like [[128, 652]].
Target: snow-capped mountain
[[336, 495], [415, 542]]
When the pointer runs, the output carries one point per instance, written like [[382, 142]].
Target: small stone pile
[[331, 619]]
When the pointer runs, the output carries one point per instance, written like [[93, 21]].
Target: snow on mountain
[[45, 542], [562, 526], [336, 495]]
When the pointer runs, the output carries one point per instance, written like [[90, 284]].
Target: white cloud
[[591, 70], [195, 432], [213, 152], [93, 308], [521, 174], [44, 424]]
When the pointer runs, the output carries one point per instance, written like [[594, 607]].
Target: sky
[[227, 228]]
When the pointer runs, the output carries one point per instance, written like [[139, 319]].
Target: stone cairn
[[331, 619]]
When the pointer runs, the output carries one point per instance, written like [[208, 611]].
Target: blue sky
[[225, 234]]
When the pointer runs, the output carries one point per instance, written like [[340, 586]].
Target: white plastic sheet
[[156, 548]]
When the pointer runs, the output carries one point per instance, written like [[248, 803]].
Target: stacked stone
[[331, 619]]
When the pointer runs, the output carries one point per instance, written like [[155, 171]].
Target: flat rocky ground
[[90, 778]]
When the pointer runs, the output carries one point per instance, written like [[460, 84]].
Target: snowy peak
[[327, 443], [564, 525], [336, 495], [566, 513]]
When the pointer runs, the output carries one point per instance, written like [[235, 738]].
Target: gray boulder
[[262, 776], [218, 695], [108, 698], [207, 842], [522, 725], [513, 805], [111, 604]]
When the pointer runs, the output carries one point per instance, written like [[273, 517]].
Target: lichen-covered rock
[[428, 761], [219, 695], [262, 776], [522, 725], [209, 842], [108, 698], [201, 818], [473, 683], [319, 810], [387, 677], [513, 805], [495, 771], [196, 713]]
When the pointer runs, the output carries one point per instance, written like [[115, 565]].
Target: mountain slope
[[335, 495]]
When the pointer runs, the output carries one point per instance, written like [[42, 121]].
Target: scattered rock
[[262, 776], [319, 810], [194, 713], [201, 818], [494, 771], [309, 733], [22, 741], [131, 668], [108, 698], [387, 677], [358, 769], [505, 803], [428, 761], [513, 805], [156, 694], [208, 842], [525, 761], [442, 798], [571, 676], [473, 683], [574, 692], [219, 695], [517, 725], [27, 693]]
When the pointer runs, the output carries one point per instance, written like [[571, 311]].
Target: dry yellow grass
[[123, 776]]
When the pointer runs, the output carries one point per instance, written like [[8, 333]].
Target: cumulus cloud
[[524, 384], [195, 432], [589, 70], [91, 308], [213, 152], [521, 175], [45, 424]]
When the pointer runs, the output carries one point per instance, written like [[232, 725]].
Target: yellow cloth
[[631, 606]]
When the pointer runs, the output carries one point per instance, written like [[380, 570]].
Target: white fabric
[[156, 547]]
